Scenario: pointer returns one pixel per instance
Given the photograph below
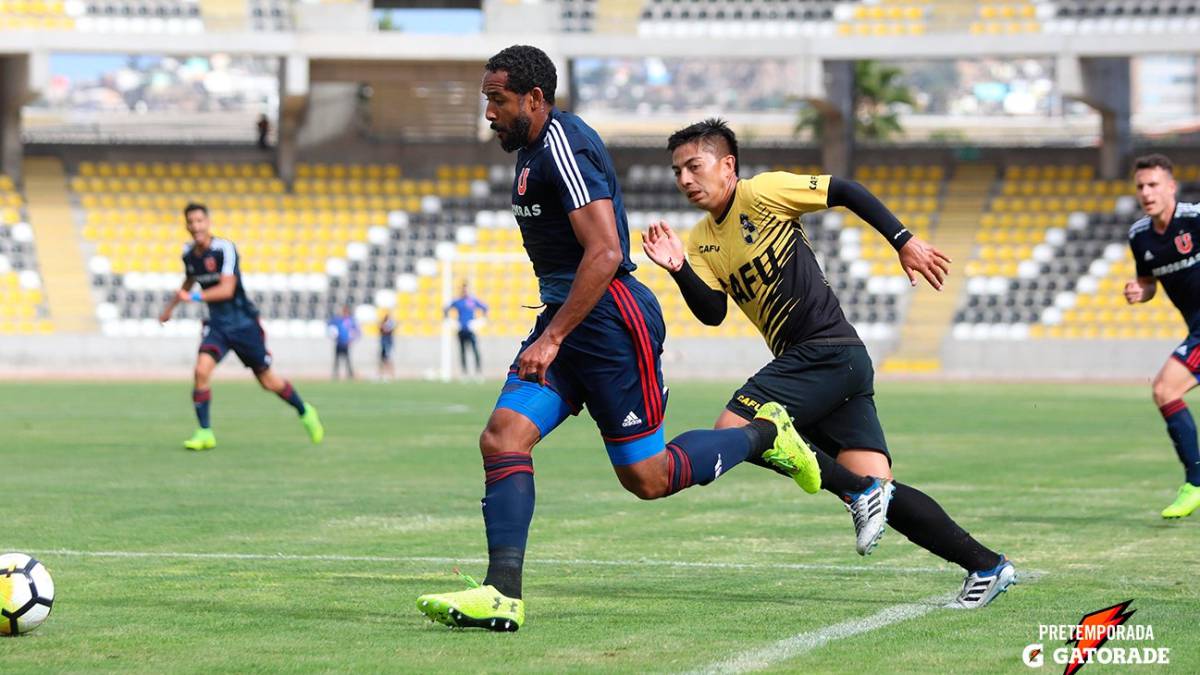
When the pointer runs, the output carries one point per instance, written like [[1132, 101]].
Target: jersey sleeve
[[229, 255], [700, 265], [790, 193], [575, 169]]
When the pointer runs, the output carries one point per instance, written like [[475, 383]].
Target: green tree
[[878, 94]]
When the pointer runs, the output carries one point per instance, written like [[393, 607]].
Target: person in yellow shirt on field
[[751, 246]]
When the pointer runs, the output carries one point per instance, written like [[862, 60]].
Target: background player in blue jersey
[[597, 344], [344, 330], [465, 306], [232, 324], [1166, 250]]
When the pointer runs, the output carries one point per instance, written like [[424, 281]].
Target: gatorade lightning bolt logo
[[1109, 616]]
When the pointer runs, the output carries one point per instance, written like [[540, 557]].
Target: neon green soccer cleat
[[203, 439], [1186, 501], [476, 607], [790, 453], [312, 423]]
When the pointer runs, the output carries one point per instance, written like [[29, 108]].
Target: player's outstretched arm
[[180, 296], [916, 256], [1140, 290], [665, 249], [595, 227]]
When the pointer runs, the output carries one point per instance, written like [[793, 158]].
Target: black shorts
[[828, 389]]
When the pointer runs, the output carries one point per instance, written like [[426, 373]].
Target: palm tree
[[878, 93]]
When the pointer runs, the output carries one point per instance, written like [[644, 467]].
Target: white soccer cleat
[[980, 588], [869, 511]]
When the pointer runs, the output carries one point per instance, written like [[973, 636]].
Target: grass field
[[269, 554]]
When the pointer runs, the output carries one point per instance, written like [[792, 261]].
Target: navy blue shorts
[[1188, 353], [385, 348], [611, 363], [248, 341]]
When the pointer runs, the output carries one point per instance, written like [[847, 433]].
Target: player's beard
[[516, 136]]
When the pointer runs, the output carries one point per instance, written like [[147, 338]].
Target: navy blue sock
[[288, 393], [201, 398], [507, 509], [698, 457], [1182, 429]]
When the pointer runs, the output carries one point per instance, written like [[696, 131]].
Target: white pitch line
[[789, 648], [648, 562], [758, 659]]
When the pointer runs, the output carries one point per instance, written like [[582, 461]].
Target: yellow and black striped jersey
[[757, 252]]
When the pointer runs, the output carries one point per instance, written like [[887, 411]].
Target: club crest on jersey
[[523, 181], [749, 229], [1183, 243], [210, 264]]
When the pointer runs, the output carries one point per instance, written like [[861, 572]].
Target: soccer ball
[[26, 593]]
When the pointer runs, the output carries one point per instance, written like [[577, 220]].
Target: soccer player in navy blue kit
[[597, 344], [232, 324], [1166, 250]]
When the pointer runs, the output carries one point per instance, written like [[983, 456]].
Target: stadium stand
[[367, 236], [31, 15], [343, 236], [146, 16], [1052, 259], [22, 308], [734, 18]]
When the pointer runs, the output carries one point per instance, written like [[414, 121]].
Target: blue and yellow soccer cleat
[[869, 511], [980, 588], [476, 607], [312, 423], [790, 453], [203, 439], [1186, 501]]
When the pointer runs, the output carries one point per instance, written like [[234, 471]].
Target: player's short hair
[[527, 67], [1154, 161], [194, 206], [714, 132]]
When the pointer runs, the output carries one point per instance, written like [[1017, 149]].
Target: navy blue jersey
[[566, 168], [1172, 258], [207, 268]]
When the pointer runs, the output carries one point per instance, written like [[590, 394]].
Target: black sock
[[762, 436], [504, 570], [917, 516], [838, 479]]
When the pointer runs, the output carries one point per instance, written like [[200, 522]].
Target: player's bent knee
[[648, 478], [646, 489], [507, 434], [866, 462]]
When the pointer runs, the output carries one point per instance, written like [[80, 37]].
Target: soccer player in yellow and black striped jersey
[[751, 246]]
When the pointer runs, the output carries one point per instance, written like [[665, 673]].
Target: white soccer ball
[[26, 593]]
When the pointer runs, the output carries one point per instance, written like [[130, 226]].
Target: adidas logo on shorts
[[631, 420]]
